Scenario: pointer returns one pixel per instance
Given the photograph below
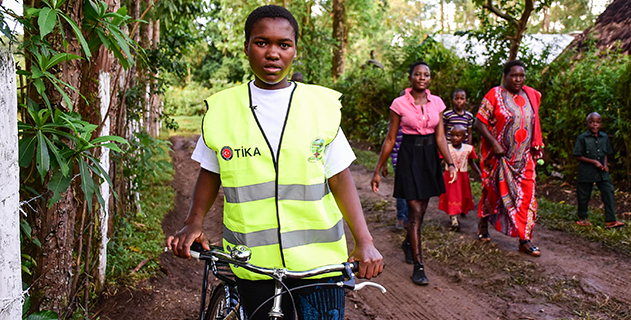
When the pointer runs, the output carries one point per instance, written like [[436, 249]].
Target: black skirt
[[418, 175]]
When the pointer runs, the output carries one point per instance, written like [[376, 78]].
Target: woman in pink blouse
[[418, 175]]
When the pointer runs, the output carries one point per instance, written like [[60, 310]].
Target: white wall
[[10, 269]]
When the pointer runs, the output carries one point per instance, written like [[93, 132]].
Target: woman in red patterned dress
[[508, 120]]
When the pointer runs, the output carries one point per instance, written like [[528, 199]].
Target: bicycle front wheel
[[224, 304]]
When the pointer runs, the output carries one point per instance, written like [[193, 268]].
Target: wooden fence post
[[11, 297]]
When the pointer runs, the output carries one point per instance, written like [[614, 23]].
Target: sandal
[[483, 231], [614, 224], [526, 247], [584, 223], [484, 237], [455, 226]]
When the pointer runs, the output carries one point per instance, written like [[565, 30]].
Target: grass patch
[[187, 126], [369, 160], [560, 216], [138, 236]]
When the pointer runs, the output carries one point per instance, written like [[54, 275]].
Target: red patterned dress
[[508, 183], [457, 197]]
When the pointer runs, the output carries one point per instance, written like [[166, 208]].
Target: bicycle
[[224, 303]]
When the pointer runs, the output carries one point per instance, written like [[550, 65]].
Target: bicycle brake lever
[[361, 285]]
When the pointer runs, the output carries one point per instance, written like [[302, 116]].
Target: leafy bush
[[596, 82], [186, 101], [189, 100], [368, 94]]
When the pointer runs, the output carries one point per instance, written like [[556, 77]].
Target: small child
[[458, 116], [457, 198], [591, 150]]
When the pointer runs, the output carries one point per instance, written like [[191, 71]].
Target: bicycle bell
[[241, 253]]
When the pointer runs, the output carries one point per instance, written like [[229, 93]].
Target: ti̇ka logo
[[227, 153]]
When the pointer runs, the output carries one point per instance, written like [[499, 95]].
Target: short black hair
[[416, 64], [270, 11], [458, 127], [458, 90], [593, 114], [511, 64]]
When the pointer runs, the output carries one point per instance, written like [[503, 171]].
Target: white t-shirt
[[271, 109]]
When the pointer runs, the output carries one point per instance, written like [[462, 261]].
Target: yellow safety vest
[[280, 207]]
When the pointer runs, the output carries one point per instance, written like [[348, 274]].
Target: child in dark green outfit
[[591, 150]]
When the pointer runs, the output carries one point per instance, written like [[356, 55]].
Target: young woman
[[418, 175]]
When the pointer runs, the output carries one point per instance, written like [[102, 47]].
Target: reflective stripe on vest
[[290, 239], [266, 190], [281, 207]]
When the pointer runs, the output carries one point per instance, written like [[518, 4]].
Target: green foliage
[[138, 235], [565, 16], [43, 315], [367, 97], [107, 27], [144, 159], [69, 140], [187, 126], [597, 82], [369, 160], [189, 100]]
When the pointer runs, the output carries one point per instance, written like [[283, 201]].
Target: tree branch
[[489, 6], [523, 21], [118, 74]]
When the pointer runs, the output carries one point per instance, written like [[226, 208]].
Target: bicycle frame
[[240, 255]]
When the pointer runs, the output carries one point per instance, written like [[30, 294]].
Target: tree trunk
[[520, 25], [144, 77], [442, 16], [54, 226], [339, 34], [103, 216], [420, 20], [545, 25], [10, 263], [155, 101], [520, 29], [55, 230]]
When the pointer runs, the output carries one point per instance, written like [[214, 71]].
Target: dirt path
[[573, 279]]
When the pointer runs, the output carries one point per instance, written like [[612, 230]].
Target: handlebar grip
[[196, 249], [355, 266]]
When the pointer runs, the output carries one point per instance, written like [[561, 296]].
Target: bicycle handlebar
[[239, 258]]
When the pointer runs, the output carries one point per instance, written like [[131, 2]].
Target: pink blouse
[[417, 119]]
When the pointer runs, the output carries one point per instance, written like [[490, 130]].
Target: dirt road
[[573, 279]]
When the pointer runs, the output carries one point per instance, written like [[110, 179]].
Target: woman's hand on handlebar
[[370, 260], [181, 242]]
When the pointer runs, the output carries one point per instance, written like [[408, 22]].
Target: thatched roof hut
[[612, 29]]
